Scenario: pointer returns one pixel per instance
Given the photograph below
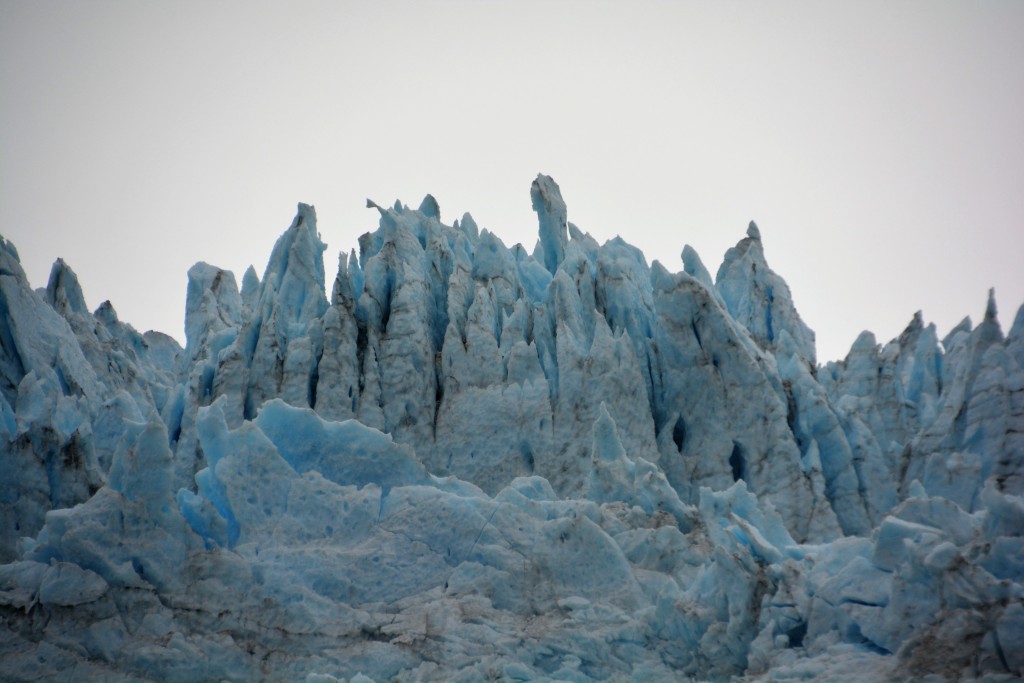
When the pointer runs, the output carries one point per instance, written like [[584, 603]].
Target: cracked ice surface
[[467, 461]]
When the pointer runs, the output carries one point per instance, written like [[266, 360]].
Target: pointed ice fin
[[469, 226], [106, 313], [989, 328], [294, 278], [963, 327], [990, 307], [551, 212], [10, 262], [430, 208], [212, 303], [250, 287], [63, 291], [753, 232], [694, 267], [370, 204], [758, 298]]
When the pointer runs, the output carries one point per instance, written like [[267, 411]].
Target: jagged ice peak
[[466, 461]]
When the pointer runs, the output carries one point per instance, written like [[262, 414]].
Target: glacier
[[466, 461]]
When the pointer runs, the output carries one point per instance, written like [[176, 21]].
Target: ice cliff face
[[469, 461]]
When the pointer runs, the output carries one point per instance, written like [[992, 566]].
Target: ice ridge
[[466, 461]]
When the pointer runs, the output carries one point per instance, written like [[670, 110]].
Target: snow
[[470, 462]]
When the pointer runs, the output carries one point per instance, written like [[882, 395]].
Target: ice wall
[[464, 461]]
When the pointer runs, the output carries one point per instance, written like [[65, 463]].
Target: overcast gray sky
[[879, 145]]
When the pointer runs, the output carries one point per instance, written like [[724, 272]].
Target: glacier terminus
[[464, 461]]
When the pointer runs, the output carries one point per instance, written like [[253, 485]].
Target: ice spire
[[63, 291], [758, 298], [294, 279], [551, 212], [753, 232], [430, 208]]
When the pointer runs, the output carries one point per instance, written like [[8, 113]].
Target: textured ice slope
[[467, 461]]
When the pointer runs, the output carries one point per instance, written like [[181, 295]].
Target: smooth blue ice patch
[[344, 452]]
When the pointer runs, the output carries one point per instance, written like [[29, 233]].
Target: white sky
[[879, 145]]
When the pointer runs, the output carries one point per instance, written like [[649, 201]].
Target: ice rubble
[[472, 462]]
